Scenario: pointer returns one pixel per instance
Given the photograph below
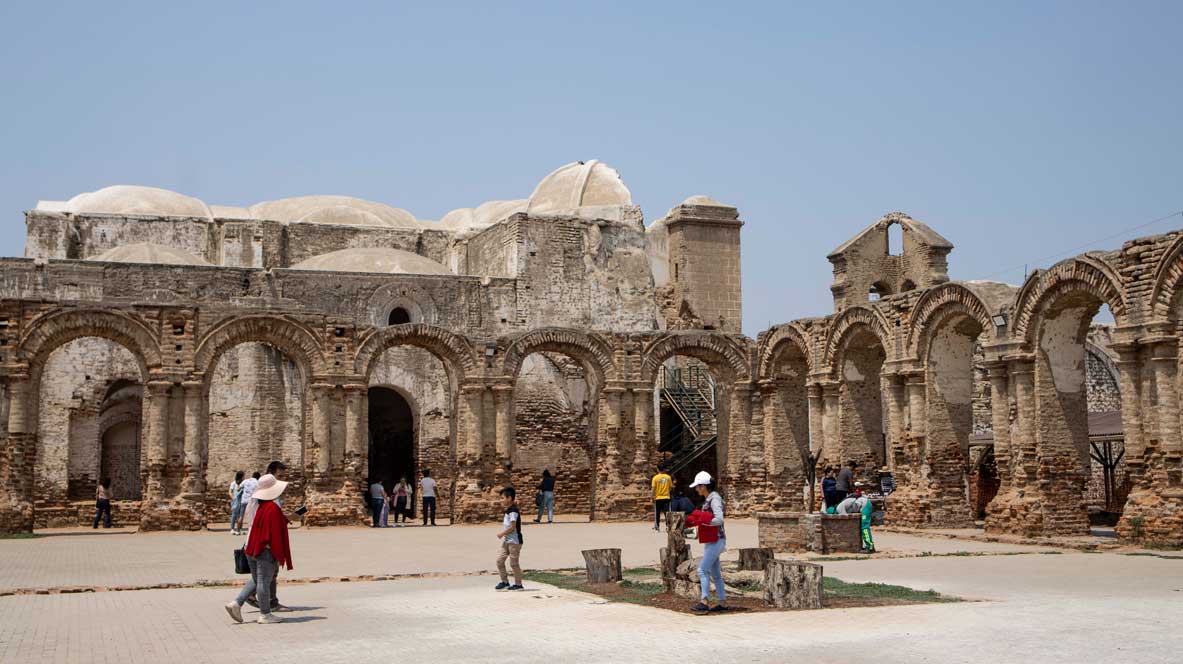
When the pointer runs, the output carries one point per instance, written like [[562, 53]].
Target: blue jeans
[[712, 568], [237, 510], [376, 508], [264, 571], [547, 505]]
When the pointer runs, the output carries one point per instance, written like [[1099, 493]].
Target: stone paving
[[1063, 607]]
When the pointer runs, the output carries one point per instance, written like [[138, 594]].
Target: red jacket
[[706, 532], [270, 530]]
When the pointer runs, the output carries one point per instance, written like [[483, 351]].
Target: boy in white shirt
[[511, 541]]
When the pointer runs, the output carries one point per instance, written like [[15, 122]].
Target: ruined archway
[[789, 443]]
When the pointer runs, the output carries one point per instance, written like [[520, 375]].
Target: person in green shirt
[[661, 484]]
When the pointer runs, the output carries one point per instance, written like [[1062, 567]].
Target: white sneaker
[[235, 611], [268, 619]]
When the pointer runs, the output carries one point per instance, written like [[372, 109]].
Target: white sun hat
[[701, 479], [269, 488]]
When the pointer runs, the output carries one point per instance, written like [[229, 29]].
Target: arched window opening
[[878, 290], [895, 240], [399, 316], [908, 285]]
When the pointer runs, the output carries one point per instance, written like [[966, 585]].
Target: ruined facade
[[164, 342]]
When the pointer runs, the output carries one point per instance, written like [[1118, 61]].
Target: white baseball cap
[[701, 479]]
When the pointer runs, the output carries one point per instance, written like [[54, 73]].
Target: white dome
[[129, 199], [580, 184], [145, 252], [483, 216], [458, 219], [382, 260], [333, 210]]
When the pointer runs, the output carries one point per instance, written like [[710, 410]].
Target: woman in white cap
[[714, 541], [266, 549]]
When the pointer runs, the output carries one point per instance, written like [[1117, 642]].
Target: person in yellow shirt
[[661, 483]]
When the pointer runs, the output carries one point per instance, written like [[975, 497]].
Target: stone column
[[612, 442], [16, 493], [322, 417], [830, 422], [895, 419], [502, 401], [739, 428], [916, 407], [158, 406], [1165, 360], [195, 438], [356, 428], [642, 425], [471, 420], [1022, 450], [1129, 375], [1000, 418], [817, 437], [773, 434]]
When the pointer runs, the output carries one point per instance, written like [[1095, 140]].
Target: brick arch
[[1083, 274], [455, 351], [1168, 282], [590, 349], [50, 331], [293, 339], [935, 307], [850, 319], [782, 338], [720, 353]]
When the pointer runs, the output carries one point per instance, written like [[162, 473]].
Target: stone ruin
[[165, 343]]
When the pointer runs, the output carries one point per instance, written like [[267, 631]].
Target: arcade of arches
[[986, 401]]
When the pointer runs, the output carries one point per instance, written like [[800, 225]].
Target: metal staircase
[[690, 394]]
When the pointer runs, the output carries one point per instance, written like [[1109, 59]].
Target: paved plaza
[[1058, 607]]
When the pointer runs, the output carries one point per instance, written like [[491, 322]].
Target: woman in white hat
[[266, 549], [710, 567]]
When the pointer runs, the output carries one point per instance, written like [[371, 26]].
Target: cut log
[[676, 550], [603, 565], [792, 584], [755, 559]]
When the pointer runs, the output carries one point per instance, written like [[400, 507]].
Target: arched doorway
[[392, 437]]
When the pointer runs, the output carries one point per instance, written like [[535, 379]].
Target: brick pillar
[[916, 408], [1000, 420], [471, 403], [895, 419], [833, 447], [16, 480], [158, 407], [502, 400], [774, 434], [817, 437], [322, 417], [738, 430], [196, 442], [356, 431], [643, 429], [1165, 360], [1016, 508]]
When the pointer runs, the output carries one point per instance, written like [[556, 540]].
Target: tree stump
[[755, 559], [792, 584], [676, 550], [603, 565]]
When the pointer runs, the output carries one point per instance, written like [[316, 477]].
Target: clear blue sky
[[1020, 131]]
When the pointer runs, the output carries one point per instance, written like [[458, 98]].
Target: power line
[[1078, 249]]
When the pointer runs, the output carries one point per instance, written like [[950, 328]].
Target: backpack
[[517, 522]]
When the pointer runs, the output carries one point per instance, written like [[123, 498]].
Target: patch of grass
[[840, 588], [641, 571], [835, 559], [4, 536], [1153, 555], [643, 588], [555, 578], [1050, 553]]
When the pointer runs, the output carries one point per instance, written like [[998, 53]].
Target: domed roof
[[484, 215], [579, 184], [333, 210], [145, 252], [129, 199], [372, 259]]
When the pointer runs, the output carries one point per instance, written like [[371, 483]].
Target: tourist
[[681, 502], [829, 495], [845, 482], [886, 481], [661, 484], [859, 503], [546, 489], [511, 541], [427, 490], [378, 498], [103, 503], [248, 491], [236, 505], [267, 549], [401, 497], [712, 535]]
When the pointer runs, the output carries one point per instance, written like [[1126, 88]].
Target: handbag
[[538, 499], [241, 566]]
